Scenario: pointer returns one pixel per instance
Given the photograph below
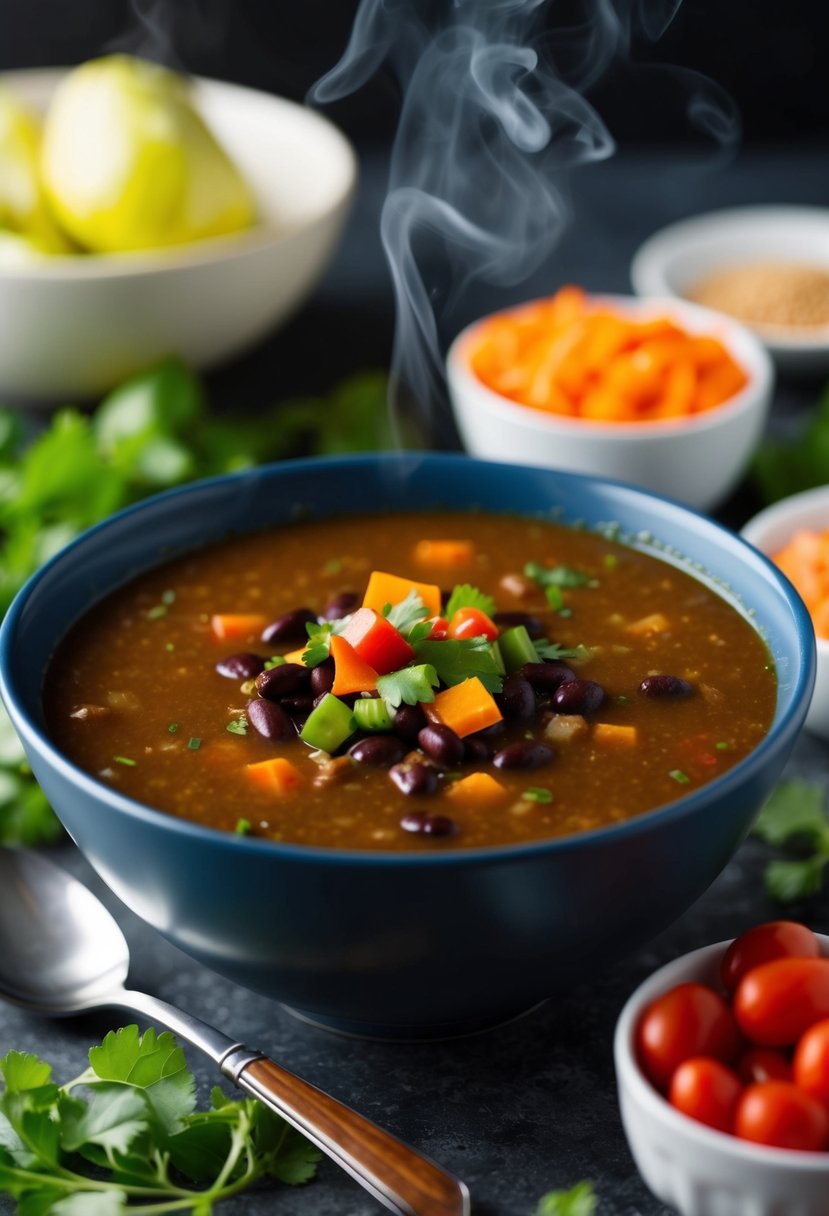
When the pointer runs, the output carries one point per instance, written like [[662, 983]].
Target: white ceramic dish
[[769, 531], [673, 259], [75, 326], [698, 460], [699, 1171]]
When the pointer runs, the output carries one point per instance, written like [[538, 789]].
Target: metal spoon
[[62, 953]]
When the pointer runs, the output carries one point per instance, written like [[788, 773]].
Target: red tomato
[[763, 944], [689, 1020], [763, 1064], [810, 1066], [472, 623], [440, 628], [377, 642], [777, 1001], [705, 1090], [780, 1114]]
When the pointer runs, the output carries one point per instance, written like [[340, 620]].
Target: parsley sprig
[[463, 595], [794, 815], [126, 1134], [557, 576], [580, 1200], [409, 685]]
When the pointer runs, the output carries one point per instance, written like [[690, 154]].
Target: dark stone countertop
[[531, 1106]]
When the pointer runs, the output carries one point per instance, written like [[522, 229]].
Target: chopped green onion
[[516, 648], [622, 699], [555, 597], [328, 725], [679, 776], [125, 760], [173, 727], [156, 612], [611, 561], [495, 651], [168, 597], [371, 714], [194, 744], [722, 746], [243, 827], [170, 647], [537, 793]]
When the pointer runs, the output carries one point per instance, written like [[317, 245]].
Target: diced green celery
[[329, 724], [499, 658], [517, 648], [371, 714]]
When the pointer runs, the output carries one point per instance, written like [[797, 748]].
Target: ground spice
[[771, 294]]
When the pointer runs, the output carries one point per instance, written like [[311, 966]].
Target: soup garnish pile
[[424, 681]]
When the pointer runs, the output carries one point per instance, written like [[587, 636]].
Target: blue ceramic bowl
[[419, 944]]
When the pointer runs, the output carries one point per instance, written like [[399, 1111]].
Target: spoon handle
[[401, 1178]]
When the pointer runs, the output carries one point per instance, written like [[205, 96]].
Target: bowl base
[[405, 1033]]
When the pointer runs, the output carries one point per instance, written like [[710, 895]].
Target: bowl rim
[[751, 396], [632, 1079], [649, 267], [35, 735], [208, 251]]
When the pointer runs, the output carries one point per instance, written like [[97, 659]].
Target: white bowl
[[697, 1170], [75, 326], [673, 259], [769, 531], [698, 460]]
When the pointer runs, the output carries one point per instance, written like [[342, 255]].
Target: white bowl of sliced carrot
[[660, 393], [794, 533]]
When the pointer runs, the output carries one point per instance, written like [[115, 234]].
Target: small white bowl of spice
[[768, 267]]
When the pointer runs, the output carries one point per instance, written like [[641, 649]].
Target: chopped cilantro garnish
[[194, 744], [156, 612], [419, 632], [552, 650], [794, 815], [678, 776], [168, 597], [555, 597], [722, 746], [465, 596], [556, 576], [238, 726], [409, 684], [319, 640], [173, 727], [169, 647], [610, 561], [125, 760], [581, 1200], [622, 699], [537, 793], [243, 827], [276, 660], [405, 615], [455, 661]]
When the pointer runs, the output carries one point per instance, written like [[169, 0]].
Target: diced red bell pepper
[[377, 642]]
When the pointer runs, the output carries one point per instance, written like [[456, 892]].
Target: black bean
[[491, 732], [270, 720], [475, 748], [297, 705], [508, 620], [547, 677], [241, 666], [441, 744], [322, 677], [517, 699], [380, 751], [526, 753], [666, 686], [290, 627], [578, 697], [341, 605], [409, 720], [283, 681], [414, 778], [424, 824]]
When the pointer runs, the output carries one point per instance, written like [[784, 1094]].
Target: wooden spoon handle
[[402, 1179]]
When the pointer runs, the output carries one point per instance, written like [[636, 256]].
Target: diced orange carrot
[[237, 626], [481, 788], [276, 775], [465, 707], [654, 622], [447, 553], [351, 673], [385, 589], [615, 734], [804, 559]]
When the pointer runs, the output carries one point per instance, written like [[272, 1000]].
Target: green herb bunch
[[794, 816], [136, 1142]]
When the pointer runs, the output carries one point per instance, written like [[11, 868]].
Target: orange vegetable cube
[[615, 734], [465, 707], [275, 776], [447, 553], [655, 622], [480, 788], [237, 626], [385, 589], [351, 673]]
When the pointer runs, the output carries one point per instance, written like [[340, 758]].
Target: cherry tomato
[[780, 1114], [472, 623], [440, 628], [810, 1066], [776, 1002], [763, 1064], [689, 1020], [706, 1090], [763, 944]]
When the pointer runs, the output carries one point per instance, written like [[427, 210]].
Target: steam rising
[[493, 121]]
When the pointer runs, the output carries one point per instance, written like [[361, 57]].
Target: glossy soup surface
[[133, 695]]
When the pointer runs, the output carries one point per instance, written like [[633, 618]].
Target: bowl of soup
[[401, 741]]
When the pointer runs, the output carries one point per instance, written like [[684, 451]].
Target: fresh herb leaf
[[794, 815], [277, 660], [465, 596], [556, 576], [238, 726], [68, 1154], [419, 632], [784, 467], [194, 744], [455, 661], [405, 615], [243, 827], [537, 793], [789, 881], [554, 596], [552, 651], [410, 685], [677, 775], [581, 1200], [318, 647]]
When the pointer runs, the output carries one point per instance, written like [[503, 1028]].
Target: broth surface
[[133, 695]]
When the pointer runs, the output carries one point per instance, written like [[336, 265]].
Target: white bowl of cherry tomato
[[722, 1062]]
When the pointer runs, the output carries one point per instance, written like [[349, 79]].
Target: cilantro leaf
[[551, 650], [114, 1117], [409, 684], [463, 595], [581, 1200], [455, 661], [794, 809], [319, 640], [152, 1063], [556, 576], [405, 615], [789, 881], [23, 1071]]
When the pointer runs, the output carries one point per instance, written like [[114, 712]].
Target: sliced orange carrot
[[447, 553], [351, 673], [385, 589], [481, 788], [465, 707], [615, 734], [236, 626], [276, 775]]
